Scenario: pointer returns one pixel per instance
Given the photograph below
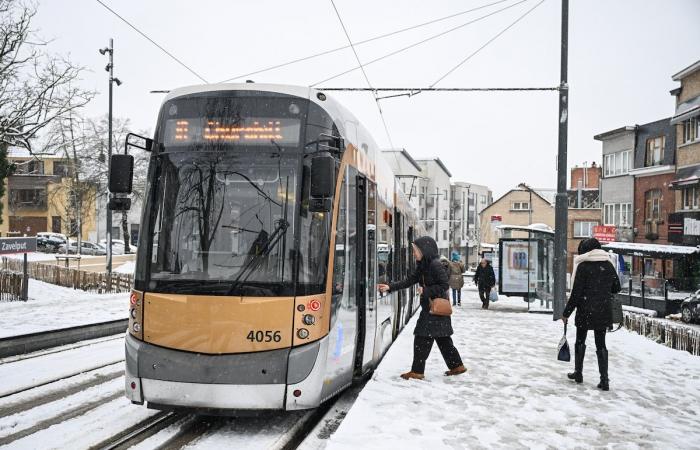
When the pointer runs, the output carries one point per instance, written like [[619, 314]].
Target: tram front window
[[224, 223]]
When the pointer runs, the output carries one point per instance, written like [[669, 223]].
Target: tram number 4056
[[264, 336]]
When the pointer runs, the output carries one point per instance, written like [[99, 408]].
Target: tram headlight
[[133, 313], [137, 327], [302, 333], [309, 319]]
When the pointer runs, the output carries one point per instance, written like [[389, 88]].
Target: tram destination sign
[[10, 246]]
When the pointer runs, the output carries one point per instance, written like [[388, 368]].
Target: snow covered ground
[[51, 307], [516, 395]]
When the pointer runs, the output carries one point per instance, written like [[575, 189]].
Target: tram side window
[[339, 260], [385, 244], [312, 258]]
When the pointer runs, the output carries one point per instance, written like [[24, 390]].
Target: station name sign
[[10, 246]]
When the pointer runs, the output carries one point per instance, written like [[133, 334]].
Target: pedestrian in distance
[[433, 280], [456, 268], [485, 280], [595, 283]]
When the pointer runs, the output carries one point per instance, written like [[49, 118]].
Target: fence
[[675, 336], [97, 282], [10, 286]]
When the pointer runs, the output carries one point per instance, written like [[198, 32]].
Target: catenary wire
[[365, 41], [357, 57], [423, 41], [521, 17], [152, 41]]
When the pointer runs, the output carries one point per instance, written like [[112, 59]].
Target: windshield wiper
[[267, 246], [265, 249]]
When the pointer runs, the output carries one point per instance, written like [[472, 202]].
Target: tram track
[[62, 377], [141, 431]]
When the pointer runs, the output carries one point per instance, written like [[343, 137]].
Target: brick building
[[584, 208], [654, 171]]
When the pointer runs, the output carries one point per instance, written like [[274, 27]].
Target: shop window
[[691, 197]]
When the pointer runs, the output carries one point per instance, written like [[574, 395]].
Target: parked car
[[86, 248], [117, 246], [50, 242], [690, 308]]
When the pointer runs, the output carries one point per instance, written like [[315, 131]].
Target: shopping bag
[[493, 295], [564, 352]]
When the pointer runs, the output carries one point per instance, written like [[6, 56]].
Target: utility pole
[[561, 213], [109, 68]]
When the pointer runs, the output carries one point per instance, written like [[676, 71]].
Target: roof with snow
[[660, 251]]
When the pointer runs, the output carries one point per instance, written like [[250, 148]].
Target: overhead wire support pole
[[561, 204]]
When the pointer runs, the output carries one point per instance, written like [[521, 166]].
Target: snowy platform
[[52, 307], [516, 395]]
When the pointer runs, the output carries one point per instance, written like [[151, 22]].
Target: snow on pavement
[[30, 372], [516, 395], [51, 307]]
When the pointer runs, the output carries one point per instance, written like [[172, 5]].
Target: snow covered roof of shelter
[[535, 227], [651, 250]]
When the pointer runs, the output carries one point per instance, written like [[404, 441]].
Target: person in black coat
[[595, 283], [432, 277], [485, 280]]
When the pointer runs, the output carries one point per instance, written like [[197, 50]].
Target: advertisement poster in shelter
[[516, 256]]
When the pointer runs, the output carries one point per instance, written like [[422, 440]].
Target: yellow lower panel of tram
[[218, 324]]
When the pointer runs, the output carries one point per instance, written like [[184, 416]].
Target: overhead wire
[[474, 53], [152, 41], [365, 41], [364, 73], [422, 41]]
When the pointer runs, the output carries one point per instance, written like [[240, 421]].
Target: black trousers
[[599, 335], [456, 296], [484, 293], [421, 350]]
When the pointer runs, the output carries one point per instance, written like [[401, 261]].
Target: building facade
[[654, 170], [516, 207], [407, 172], [616, 183], [39, 197], [684, 224], [435, 201], [584, 212]]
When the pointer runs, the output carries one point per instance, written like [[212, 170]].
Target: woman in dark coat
[[595, 283], [432, 277]]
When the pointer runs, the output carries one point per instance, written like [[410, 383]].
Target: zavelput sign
[[9, 246]]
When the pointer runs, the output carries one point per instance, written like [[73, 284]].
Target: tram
[[257, 263]]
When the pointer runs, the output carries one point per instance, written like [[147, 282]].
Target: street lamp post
[[109, 68], [561, 207]]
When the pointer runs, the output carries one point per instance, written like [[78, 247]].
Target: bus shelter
[[525, 266]]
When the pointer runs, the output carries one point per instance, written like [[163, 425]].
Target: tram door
[[365, 291]]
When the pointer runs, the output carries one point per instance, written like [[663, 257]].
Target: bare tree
[[35, 88], [83, 142]]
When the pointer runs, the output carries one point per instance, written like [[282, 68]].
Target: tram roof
[[337, 111]]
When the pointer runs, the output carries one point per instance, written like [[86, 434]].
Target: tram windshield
[[223, 211], [224, 221]]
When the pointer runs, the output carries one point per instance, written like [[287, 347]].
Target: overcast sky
[[622, 54]]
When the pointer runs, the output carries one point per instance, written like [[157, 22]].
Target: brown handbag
[[439, 306]]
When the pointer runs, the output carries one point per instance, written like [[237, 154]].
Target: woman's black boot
[[579, 353], [603, 369]]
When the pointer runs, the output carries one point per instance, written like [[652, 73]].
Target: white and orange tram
[[258, 253]]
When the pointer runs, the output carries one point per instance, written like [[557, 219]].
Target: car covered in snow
[[49, 242], [690, 308]]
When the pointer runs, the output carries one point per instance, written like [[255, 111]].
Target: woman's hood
[[428, 247]]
